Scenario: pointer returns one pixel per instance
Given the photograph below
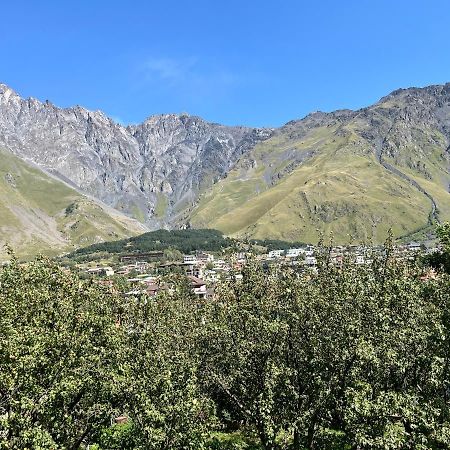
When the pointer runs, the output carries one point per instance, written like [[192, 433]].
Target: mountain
[[353, 173], [151, 171], [39, 213]]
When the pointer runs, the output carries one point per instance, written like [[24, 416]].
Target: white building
[[359, 259], [414, 246], [220, 264], [274, 254], [294, 252], [310, 261], [190, 259]]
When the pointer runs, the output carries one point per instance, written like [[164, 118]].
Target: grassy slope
[[341, 189], [434, 175], [41, 214], [249, 178]]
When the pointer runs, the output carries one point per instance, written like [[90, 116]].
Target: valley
[[350, 174]]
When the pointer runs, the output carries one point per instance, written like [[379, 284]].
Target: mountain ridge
[[39, 213], [178, 170], [406, 132], [136, 169]]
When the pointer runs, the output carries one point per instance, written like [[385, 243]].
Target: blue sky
[[259, 63]]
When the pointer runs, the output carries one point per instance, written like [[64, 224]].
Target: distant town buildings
[[145, 272]]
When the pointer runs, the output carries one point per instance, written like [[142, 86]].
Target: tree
[[441, 260], [162, 395], [75, 355], [172, 254], [241, 349], [57, 357], [353, 356], [443, 232]]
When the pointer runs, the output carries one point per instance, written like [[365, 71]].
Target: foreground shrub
[[348, 357]]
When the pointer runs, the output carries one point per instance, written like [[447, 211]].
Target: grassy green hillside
[[41, 214], [326, 179]]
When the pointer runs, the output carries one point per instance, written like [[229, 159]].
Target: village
[[147, 273]]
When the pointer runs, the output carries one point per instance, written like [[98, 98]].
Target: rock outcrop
[[152, 171], [384, 165]]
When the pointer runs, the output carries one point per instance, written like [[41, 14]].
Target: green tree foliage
[[74, 356], [441, 260], [349, 357], [443, 231], [172, 254], [162, 394], [57, 351], [184, 241]]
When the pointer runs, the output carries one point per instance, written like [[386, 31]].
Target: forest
[[185, 241], [182, 240], [350, 357]]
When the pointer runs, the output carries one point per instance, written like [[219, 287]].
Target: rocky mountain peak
[[6, 93], [153, 170], [158, 170]]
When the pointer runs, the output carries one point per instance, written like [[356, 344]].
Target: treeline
[[185, 241], [351, 357]]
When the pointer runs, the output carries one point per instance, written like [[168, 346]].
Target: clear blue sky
[[248, 62]]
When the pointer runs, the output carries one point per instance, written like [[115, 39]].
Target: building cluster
[[145, 273]]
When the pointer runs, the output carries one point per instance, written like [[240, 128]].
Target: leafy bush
[[349, 357]]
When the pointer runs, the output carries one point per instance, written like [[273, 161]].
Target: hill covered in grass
[[40, 214], [351, 173]]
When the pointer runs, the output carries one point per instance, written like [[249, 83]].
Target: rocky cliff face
[[384, 165], [153, 171]]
